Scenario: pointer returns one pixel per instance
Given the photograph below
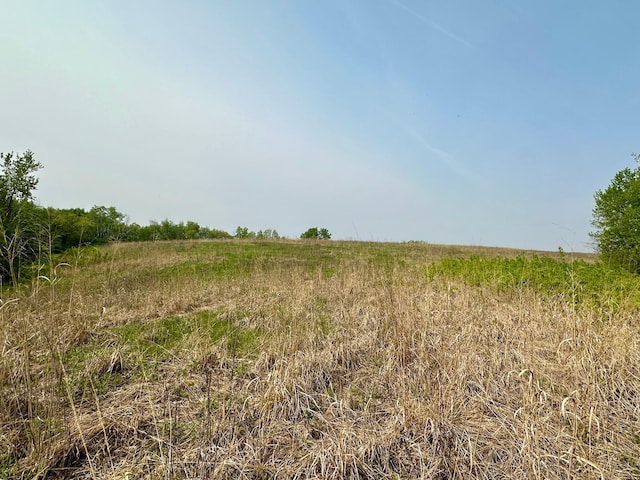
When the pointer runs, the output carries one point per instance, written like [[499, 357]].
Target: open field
[[295, 359]]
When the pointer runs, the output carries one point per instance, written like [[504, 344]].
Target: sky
[[460, 122]]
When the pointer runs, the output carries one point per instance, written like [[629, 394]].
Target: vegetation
[[315, 233], [30, 234], [601, 288], [168, 230], [257, 357], [243, 233], [18, 241], [284, 359], [616, 218]]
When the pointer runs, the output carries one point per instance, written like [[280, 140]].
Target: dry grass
[[223, 361]]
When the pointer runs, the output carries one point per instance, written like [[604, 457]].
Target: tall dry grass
[[345, 368]]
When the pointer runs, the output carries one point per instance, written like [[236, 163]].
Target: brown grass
[[365, 371]]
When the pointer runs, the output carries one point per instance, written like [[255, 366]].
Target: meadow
[[320, 359]]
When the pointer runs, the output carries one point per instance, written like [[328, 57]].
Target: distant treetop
[[314, 233]]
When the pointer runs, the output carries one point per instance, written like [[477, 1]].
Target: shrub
[[616, 217], [316, 234]]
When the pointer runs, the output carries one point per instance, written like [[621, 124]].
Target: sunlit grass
[[228, 359], [594, 285]]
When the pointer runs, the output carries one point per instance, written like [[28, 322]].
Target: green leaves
[[316, 234], [18, 237], [17, 178], [616, 217], [243, 233]]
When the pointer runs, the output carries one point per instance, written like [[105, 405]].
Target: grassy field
[[293, 359]]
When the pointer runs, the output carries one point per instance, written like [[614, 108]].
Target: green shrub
[[315, 233]]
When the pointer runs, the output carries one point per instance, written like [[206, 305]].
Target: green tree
[[68, 228], [192, 230], [17, 181], [109, 223], [133, 233], [310, 234], [213, 233], [148, 233], [268, 234], [19, 232], [616, 217], [244, 233], [314, 233], [324, 234]]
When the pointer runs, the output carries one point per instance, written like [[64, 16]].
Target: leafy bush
[[19, 232], [616, 217], [316, 234], [213, 233], [168, 230], [268, 234], [243, 233]]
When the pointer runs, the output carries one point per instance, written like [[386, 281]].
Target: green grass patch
[[595, 285], [7, 461], [157, 340], [126, 350]]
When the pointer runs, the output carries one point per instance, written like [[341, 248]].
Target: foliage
[[27, 231], [191, 230], [18, 227], [68, 228], [109, 224], [17, 181], [168, 230], [616, 217], [314, 233], [213, 233], [267, 234], [243, 233], [72, 227]]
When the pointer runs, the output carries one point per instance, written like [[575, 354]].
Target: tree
[[324, 234], [18, 216], [268, 234], [109, 223], [316, 234], [68, 228], [616, 217], [214, 233], [191, 230], [310, 234], [17, 181], [244, 233]]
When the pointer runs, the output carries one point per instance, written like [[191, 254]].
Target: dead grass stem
[[344, 368]]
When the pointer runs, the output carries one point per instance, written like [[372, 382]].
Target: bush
[[243, 233], [19, 226], [267, 234], [316, 234], [616, 218]]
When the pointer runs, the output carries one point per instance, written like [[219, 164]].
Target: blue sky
[[459, 122]]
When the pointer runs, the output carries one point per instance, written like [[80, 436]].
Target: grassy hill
[[291, 359]]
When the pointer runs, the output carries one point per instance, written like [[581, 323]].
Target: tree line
[[29, 232]]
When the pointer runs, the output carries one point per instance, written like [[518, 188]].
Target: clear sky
[[459, 122]]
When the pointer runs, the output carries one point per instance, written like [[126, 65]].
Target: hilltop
[[320, 359]]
